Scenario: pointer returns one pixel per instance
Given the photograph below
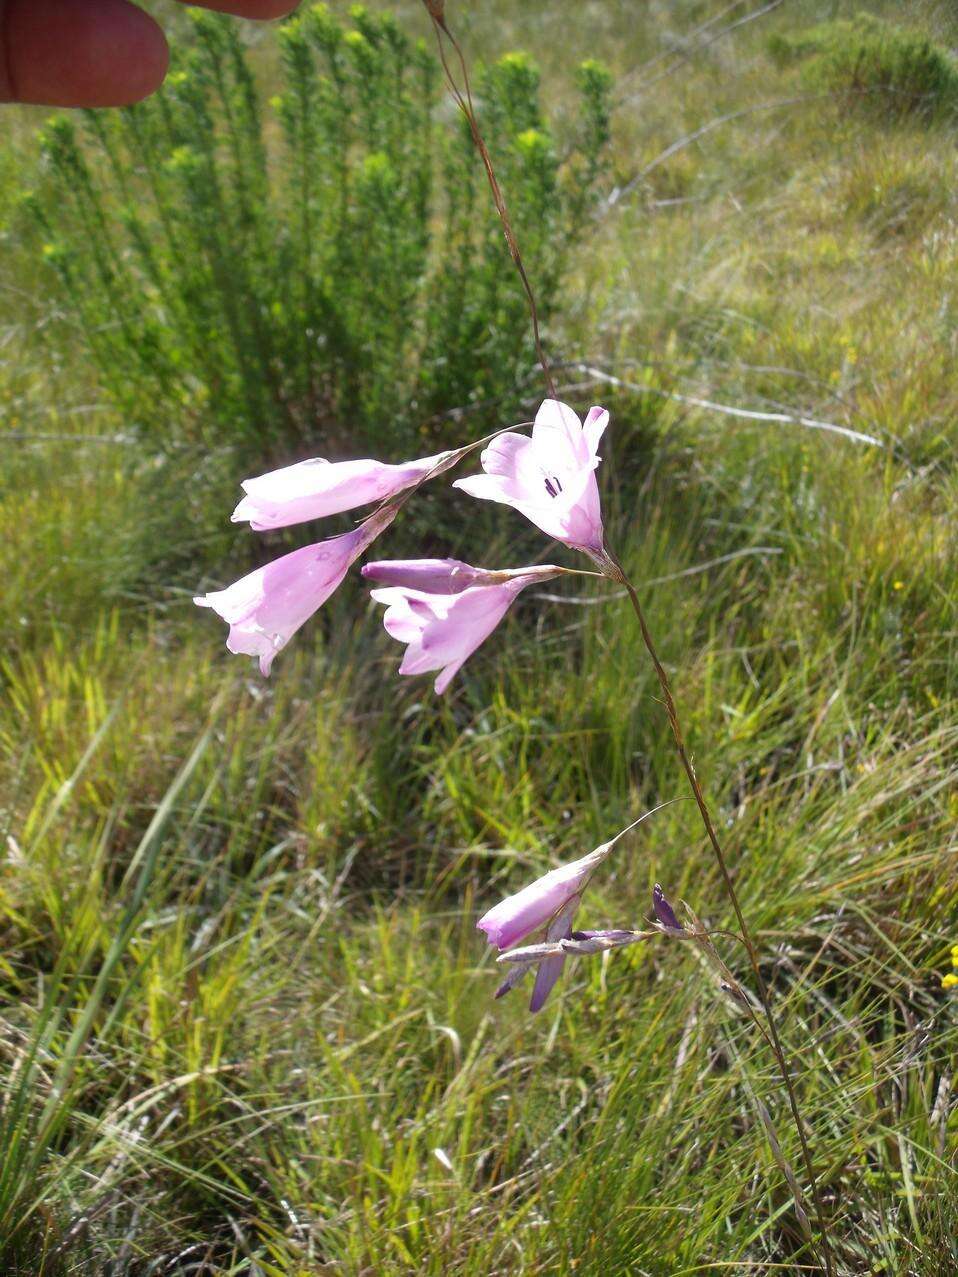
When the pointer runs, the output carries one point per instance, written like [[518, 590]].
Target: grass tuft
[[247, 1021]]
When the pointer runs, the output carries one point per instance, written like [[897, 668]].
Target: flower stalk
[[463, 99], [613, 569], [616, 572], [442, 610]]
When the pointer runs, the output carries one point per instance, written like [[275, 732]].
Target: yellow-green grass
[[248, 1024]]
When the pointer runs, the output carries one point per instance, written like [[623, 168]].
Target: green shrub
[[325, 268], [892, 69]]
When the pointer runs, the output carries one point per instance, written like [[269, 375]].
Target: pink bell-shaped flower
[[457, 609], [549, 476], [265, 608], [316, 488]]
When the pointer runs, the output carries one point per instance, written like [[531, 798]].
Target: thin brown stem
[[466, 106], [618, 573], [612, 567]]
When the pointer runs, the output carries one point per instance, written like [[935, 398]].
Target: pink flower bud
[[317, 488]]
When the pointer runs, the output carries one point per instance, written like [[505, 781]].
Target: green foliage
[[892, 69], [343, 282], [293, 1064], [238, 923]]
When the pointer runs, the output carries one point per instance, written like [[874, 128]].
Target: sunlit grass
[[248, 1024]]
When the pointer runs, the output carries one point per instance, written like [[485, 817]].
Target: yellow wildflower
[[949, 981]]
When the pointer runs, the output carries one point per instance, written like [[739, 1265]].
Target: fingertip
[[60, 53]]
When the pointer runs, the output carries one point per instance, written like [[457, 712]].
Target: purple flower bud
[[664, 911]]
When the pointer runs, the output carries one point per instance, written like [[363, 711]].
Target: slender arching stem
[[612, 568], [465, 103], [617, 573]]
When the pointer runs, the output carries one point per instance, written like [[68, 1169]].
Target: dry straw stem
[[464, 101]]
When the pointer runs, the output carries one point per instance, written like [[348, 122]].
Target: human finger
[[79, 52]]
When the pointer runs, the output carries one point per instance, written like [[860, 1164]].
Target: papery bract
[[316, 488], [591, 942], [265, 608], [550, 476], [560, 928], [443, 629], [573, 944]]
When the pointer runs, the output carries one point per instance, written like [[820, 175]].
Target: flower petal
[[317, 488], [593, 428], [524, 912], [557, 433], [265, 608], [551, 968]]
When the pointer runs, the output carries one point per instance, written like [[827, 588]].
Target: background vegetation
[[247, 1021], [345, 283]]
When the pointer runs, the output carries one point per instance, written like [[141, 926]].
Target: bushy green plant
[[895, 70], [324, 268]]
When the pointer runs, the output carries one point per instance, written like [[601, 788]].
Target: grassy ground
[[247, 1021]]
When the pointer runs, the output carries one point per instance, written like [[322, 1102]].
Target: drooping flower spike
[[444, 609], [550, 476], [265, 608], [550, 902], [317, 488]]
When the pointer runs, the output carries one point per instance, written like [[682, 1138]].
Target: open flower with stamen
[[443, 624], [265, 608], [316, 488], [550, 476]]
